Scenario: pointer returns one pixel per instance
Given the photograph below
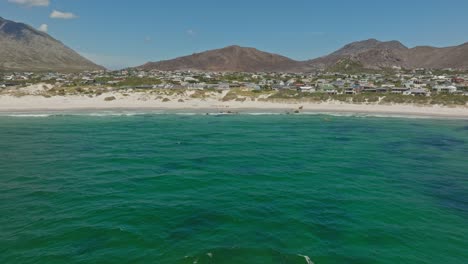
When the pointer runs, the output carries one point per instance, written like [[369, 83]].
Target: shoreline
[[38, 104]]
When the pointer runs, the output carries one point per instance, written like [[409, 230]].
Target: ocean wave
[[111, 114], [187, 114], [308, 260], [244, 254], [203, 113], [65, 114], [265, 113], [370, 115], [28, 115]]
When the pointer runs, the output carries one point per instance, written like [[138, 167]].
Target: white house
[[445, 88], [416, 91], [307, 89]]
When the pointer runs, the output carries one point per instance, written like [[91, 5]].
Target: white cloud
[[43, 28], [62, 15], [31, 2], [191, 32]]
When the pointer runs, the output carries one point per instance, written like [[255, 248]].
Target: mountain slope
[[374, 54], [430, 57], [229, 59], [23, 48], [369, 53], [367, 45]]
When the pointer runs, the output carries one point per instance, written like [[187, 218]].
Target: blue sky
[[119, 33]]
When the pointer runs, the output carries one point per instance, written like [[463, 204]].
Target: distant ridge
[[370, 54], [232, 58], [23, 48], [374, 54]]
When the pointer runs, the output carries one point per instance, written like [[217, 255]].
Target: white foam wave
[[367, 115], [109, 114], [29, 115], [308, 260], [96, 114], [188, 114], [264, 113], [130, 114]]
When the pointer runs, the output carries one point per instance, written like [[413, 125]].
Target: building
[[375, 90], [417, 92], [252, 86], [307, 89], [279, 87], [399, 90], [350, 90], [223, 86], [444, 88]]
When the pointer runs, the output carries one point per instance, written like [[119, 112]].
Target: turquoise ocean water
[[175, 188]]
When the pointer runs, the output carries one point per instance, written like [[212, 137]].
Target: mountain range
[[367, 54], [374, 54], [23, 48]]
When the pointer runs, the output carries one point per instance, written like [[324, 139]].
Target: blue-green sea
[[181, 188]]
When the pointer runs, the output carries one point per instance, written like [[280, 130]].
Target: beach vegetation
[[231, 96]]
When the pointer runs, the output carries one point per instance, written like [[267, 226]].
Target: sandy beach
[[143, 101]]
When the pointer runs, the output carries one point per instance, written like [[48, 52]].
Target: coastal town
[[418, 82]]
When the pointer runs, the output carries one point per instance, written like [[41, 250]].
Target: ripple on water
[[245, 255]]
